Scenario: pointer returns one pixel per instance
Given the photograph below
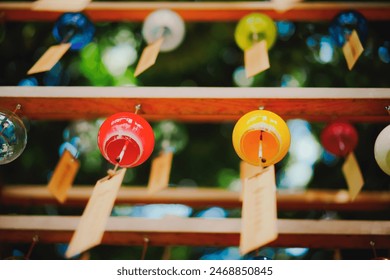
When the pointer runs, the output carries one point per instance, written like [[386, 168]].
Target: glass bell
[[343, 25], [339, 138], [255, 27], [74, 28], [126, 139], [13, 136], [164, 23], [382, 150], [261, 137]]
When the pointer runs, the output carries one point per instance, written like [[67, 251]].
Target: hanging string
[[118, 160], [262, 159], [68, 36]]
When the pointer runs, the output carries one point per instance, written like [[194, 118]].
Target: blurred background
[[304, 55]]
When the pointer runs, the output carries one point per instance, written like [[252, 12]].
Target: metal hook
[[137, 108], [388, 109], [35, 240], [372, 243], [145, 248], [18, 107]]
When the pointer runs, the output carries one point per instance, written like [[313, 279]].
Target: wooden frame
[[336, 200], [199, 232], [205, 104], [202, 11], [208, 104]]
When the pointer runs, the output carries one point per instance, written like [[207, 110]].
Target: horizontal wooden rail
[[199, 232], [202, 11], [204, 104], [337, 200]]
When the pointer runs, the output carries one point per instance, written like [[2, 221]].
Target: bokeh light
[[297, 252], [322, 48], [93, 68], [231, 253], [127, 79], [157, 211], [117, 58], [296, 176], [329, 158], [28, 82], [122, 210], [213, 212], [289, 81], [294, 78], [170, 136], [56, 76], [384, 52], [286, 30], [83, 134], [304, 146], [226, 176], [240, 79]]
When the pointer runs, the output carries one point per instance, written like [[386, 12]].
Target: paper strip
[[352, 49], [247, 171], [259, 214], [353, 176], [60, 5], [49, 58], [90, 229], [159, 172], [64, 173], [148, 56], [256, 59]]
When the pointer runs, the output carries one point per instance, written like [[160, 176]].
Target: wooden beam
[[202, 11], [204, 104], [336, 200], [199, 232]]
